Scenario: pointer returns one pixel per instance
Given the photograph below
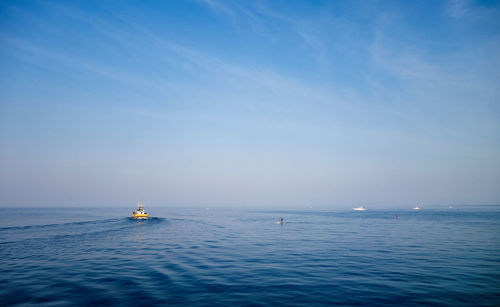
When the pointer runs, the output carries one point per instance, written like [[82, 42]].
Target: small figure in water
[[397, 216], [281, 220]]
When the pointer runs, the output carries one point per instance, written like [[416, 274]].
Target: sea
[[235, 257]]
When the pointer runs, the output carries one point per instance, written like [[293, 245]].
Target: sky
[[260, 104]]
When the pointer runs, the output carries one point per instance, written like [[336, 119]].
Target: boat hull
[[140, 216]]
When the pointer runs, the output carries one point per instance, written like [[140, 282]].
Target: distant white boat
[[416, 208], [450, 207], [362, 208]]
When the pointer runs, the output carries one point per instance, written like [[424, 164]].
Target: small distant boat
[[416, 208], [362, 208], [280, 221], [140, 214], [450, 207]]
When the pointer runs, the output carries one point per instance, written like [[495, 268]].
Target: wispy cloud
[[457, 8], [255, 85], [218, 6], [262, 19], [437, 93]]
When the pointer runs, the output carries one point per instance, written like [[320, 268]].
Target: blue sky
[[294, 104]]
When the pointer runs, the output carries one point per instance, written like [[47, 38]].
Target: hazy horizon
[[158, 209], [288, 104]]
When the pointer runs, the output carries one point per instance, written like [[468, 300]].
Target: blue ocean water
[[220, 257]]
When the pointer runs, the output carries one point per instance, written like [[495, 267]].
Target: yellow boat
[[140, 214]]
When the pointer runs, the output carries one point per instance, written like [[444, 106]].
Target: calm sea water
[[221, 257]]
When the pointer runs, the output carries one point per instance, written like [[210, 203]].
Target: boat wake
[[48, 226], [14, 234], [149, 220]]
